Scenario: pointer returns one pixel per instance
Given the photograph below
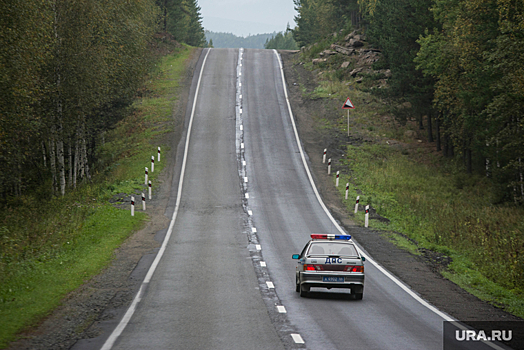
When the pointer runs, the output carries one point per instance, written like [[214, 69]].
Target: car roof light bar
[[330, 236]]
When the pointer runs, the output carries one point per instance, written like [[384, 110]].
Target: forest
[[68, 72], [458, 64]]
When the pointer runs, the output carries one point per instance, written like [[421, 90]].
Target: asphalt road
[[245, 186]]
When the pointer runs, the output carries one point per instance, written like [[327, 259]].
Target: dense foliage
[[229, 40], [458, 63], [282, 41], [68, 70]]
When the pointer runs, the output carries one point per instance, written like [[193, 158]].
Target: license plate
[[332, 279]]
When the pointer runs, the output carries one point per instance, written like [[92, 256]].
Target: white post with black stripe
[[132, 206], [143, 202], [152, 164], [159, 154], [324, 156], [149, 190], [338, 175], [356, 204], [347, 190], [329, 166], [146, 176], [366, 223]]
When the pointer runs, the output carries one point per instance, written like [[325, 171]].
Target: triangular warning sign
[[348, 104]]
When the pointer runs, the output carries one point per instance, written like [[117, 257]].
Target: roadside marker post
[[356, 204], [143, 202], [132, 206], [324, 156], [329, 166], [146, 177], [347, 190], [152, 164], [338, 175], [149, 190], [159, 154], [366, 224]]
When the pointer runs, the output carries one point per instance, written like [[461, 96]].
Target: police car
[[330, 261]]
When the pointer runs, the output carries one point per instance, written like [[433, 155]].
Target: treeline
[[229, 40], [68, 70], [457, 67], [282, 41]]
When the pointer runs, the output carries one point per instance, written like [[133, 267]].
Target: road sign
[[348, 104]]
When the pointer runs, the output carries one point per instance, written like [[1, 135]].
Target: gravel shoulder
[[421, 273]]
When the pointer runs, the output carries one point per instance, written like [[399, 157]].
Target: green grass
[[48, 249]]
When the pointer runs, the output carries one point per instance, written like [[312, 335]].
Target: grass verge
[[49, 249]]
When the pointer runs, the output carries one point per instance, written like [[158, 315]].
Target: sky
[[247, 17]]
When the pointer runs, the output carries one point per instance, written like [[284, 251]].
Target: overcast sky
[[245, 17]]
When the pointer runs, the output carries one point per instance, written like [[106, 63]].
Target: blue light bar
[[330, 236]]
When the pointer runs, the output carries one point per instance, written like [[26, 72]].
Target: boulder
[[356, 43], [355, 71], [318, 60], [343, 50], [327, 53], [344, 64]]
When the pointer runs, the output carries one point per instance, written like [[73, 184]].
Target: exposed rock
[[343, 50], [345, 64], [350, 35], [318, 60], [356, 43], [327, 53], [355, 71]]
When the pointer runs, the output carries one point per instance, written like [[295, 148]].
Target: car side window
[[304, 251]]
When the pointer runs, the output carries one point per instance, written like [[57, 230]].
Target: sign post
[[348, 105]]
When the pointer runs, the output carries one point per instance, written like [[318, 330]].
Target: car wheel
[[297, 285], [304, 291]]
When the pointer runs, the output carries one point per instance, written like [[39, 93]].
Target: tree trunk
[[421, 122], [70, 164], [43, 154], [75, 166], [437, 126], [52, 157], [430, 129], [468, 161]]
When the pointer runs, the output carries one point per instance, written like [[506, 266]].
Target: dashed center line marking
[[240, 110], [270, 284], [250, 212], [263, 263], [241, 127], [281, 309], [247, 195], [243, 162], [258, 247], [297, 338], [245, 179], [253, 229], [242, 145], [239, 84]]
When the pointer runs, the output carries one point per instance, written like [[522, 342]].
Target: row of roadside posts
[[146, 182], [366, 220]]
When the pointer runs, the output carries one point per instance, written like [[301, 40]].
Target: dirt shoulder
[[85, 315], [419, 272]]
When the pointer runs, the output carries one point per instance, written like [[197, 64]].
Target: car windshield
[[332, 248]]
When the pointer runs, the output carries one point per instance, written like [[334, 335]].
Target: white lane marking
[[129, 313], [373, 262], [240, 96], [297, 338], [263, 263], [245, 179], [250, 212], [242, 145], [253, 229], [244, 162], [240, 110], [241, 127], [247, 195], [258, 247], [270, 284], [281, 309]]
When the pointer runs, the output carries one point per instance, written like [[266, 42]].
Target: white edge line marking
[[253, 229], [373, 262], [250, 212], [258, 247], [262, 263], [247, 195], [270, 284], [297, 338], [129, 313]]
